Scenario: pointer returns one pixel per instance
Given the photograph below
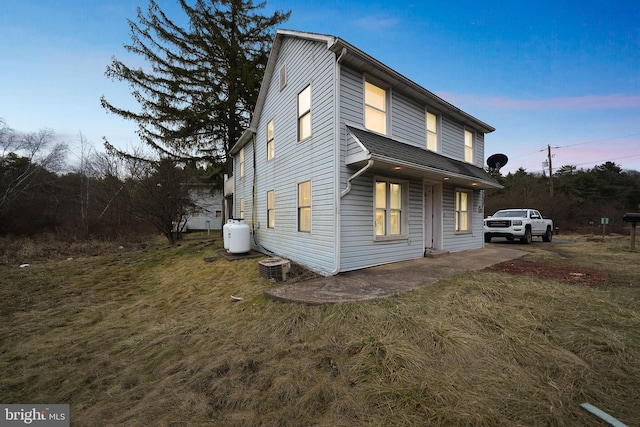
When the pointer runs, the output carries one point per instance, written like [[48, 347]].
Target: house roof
[[391, 156], [359, 60]]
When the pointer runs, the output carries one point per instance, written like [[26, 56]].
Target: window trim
[[404, 209], [437, 133], [456, 221], [282, 77], [271, 209], [387, 104], [471, 147], [301, 207], [304, 114], [271, 149], [242, 165]]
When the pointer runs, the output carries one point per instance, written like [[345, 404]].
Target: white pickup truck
[[520, 224]]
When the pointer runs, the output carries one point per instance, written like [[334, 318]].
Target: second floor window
[[271, 149], [241, 162], [432, 132], [468, 146], [304, 114], [375, 108]]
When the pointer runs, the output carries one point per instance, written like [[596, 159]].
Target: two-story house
[[348, 164]]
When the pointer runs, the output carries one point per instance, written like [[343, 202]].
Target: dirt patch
[[561, 273]]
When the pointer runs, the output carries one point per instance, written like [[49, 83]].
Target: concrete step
[[435, 253]]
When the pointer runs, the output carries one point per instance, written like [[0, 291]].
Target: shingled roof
[[389, 150]]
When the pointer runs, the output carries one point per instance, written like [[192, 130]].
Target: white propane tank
[[238, 237], [225, 233]]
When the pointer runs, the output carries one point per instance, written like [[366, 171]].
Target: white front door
[[432, 216]]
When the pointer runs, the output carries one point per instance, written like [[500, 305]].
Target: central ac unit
[[275, 268]]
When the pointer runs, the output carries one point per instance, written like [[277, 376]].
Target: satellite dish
[[496, 161]]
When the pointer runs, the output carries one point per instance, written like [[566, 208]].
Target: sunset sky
[[564, 74]]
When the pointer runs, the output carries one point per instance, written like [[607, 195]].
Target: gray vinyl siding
[[358, 248], [408, 120], [312, 159], [455, 242]]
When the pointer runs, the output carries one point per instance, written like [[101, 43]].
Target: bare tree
[[24, 158]]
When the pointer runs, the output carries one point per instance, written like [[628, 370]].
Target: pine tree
[[201, 82]]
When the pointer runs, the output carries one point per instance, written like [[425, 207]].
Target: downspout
[[336, 155], [355, 175], [254, 197]]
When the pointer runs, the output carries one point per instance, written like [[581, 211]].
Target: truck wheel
[[487, 239], [527, 236], [546, 237]]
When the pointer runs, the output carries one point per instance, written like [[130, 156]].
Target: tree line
[[104, 196], [576, 199], [195, 96]]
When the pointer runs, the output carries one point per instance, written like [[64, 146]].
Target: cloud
[[587, 102], [375, 22]]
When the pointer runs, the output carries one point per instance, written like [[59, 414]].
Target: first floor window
[[304, 206], [271, 205], [463, 210], [390, 201], [241, 209]]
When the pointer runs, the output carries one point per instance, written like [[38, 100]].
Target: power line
[[599, 161], [579, 143]]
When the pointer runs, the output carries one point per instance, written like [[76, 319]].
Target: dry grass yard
[[151, 337]]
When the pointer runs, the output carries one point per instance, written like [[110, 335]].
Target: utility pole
[[550, 171]]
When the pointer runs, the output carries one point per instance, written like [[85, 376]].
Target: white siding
[[307, 63], [208, 204]]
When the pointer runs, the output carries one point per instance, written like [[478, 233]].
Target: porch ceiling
[[392, 157]]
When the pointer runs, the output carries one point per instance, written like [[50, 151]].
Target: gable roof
[[361, 61], [395, 157]]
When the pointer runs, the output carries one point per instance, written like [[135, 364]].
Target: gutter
[[355, 175]]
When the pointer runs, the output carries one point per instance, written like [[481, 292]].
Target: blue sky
[[558, 73]]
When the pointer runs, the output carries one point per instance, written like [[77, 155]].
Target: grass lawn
[[152, 337]]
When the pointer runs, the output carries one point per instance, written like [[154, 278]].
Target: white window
[[391, 207], [241, 162], [270, 140], [241, 209], [463, 211], [304, 114], [468, 146], [304, 206], [432, 132], [271, 209], [283, 77], [375, 108]]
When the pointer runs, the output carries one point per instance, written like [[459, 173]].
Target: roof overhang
[[395, 158]]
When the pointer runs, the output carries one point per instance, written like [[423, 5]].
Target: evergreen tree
[[201, 82]]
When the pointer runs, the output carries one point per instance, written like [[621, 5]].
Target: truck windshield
[[510, 214]]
